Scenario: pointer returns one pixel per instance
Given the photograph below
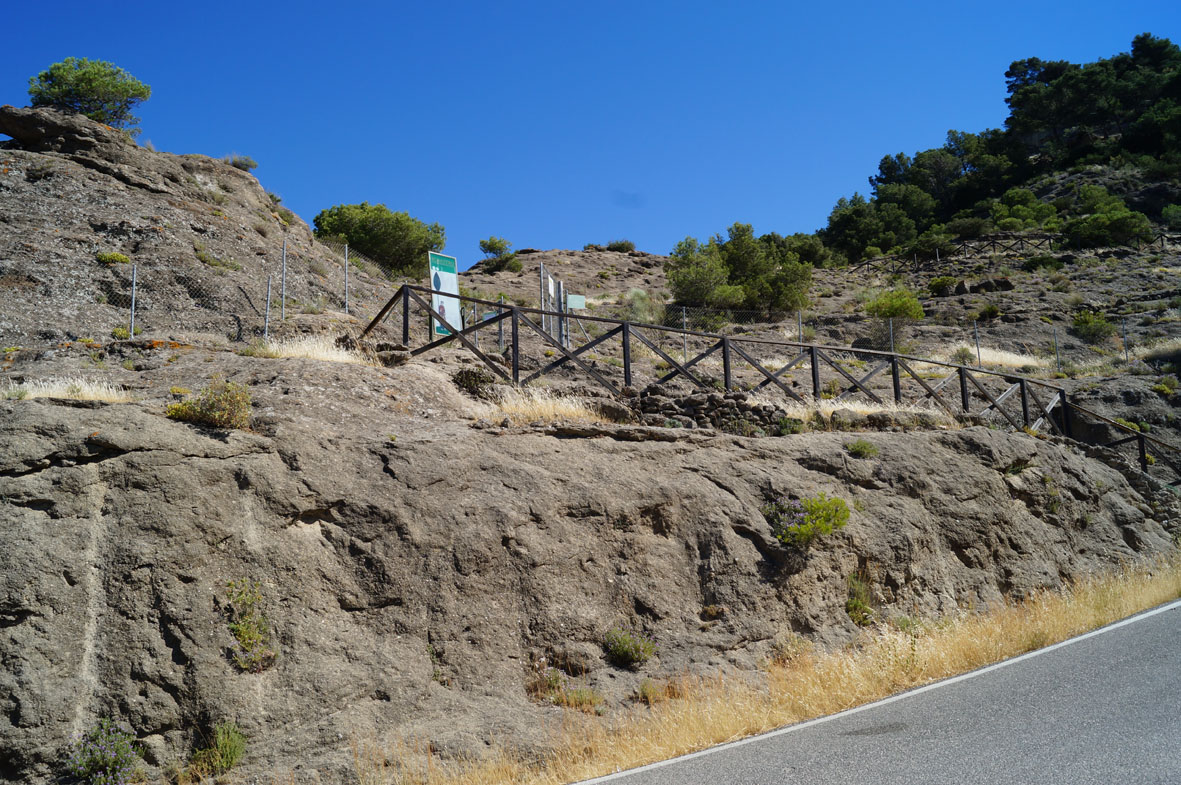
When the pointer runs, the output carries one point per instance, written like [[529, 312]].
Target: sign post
[[444, 274]]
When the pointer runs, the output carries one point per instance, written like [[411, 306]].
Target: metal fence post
[[684, 336], [1057, 356], [976, 329], [266, 324], [134, 280], [346, 278], [283, 286], [891, 320], [800, 326], [1127, 357], [541, 290]]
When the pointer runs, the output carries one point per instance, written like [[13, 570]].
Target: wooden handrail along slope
[[1055, 409]]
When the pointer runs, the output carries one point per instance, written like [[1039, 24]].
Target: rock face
[[203, 235], [413, 569]]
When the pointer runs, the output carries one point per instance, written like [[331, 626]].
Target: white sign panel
[[444, 272]]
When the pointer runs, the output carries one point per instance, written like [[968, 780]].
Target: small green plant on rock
[[104, 755], [222, 404], [228, 747], [858, 605], [627, 649], [963, 356], [249, 626], [800, 522], [861, 448], [112, 257], [942, 286]]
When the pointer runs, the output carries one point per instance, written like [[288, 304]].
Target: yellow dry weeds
[[77, 389]]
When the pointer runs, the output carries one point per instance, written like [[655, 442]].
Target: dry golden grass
[[886, 661], [539, 404], [77, 389], [993, 358], [311, 347], [808, 411]]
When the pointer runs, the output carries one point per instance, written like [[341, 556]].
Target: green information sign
[[576, 302], [444, 280]]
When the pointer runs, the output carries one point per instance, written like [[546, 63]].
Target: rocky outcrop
[[413, 569]]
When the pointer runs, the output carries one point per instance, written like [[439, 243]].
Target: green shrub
[[120, 333], [627, 649], [861, 448], [898, 303], [228, 747], [249, 626], [642, 307], [104, 755], [112, 257], [243, 162], [942, 286], [963, 356], [1171, 217], [1166, 385], [800, 522], [1092, 327], [988, 312], [222, 404], [968, 228], [622, 246]]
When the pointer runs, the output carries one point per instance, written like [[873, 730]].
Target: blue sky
[[559, 124]]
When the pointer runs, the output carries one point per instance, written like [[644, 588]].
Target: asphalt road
[[1104, 708]]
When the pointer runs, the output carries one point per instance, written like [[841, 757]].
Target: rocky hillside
[[379, 556]]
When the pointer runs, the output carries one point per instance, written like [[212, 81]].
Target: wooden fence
[[1020, 402]]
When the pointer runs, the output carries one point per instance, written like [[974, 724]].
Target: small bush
[[229, 745], [800, 522], [104, 755], [942, 286], [249, 626], [120, 333], [1092, 327], [243, 162], [1171, 217], [988, 313], [1166, 385], [895, 304], [622, 246], [861, 448], [789, 426], [1043, 262], [963, 356], [112, 257], [475, 382], [222, 404], [627, 649]]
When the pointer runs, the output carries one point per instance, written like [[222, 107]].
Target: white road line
[[900, 696]]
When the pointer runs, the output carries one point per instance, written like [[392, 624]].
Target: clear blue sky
[[557, 124]]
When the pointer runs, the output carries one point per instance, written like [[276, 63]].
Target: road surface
[[1104, 708]]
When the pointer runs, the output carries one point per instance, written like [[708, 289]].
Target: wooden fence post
[[815, 372], [1025, 403], [964, 399], [405, 317], [627, 354], [726, 380], [896, 379], [516, 346]]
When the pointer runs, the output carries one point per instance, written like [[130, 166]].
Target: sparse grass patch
[[800, 522], [966, 355], [308, 347], [76, 389], [538, 404], [203, 255], [112, 257]]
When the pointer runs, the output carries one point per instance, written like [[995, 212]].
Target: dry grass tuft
[[808, 412], [810, 684], [993, 358], [538, 404], [77, 389], [311, 347]]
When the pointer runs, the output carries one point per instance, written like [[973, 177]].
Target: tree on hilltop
[[395, 240], [102, 91]]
